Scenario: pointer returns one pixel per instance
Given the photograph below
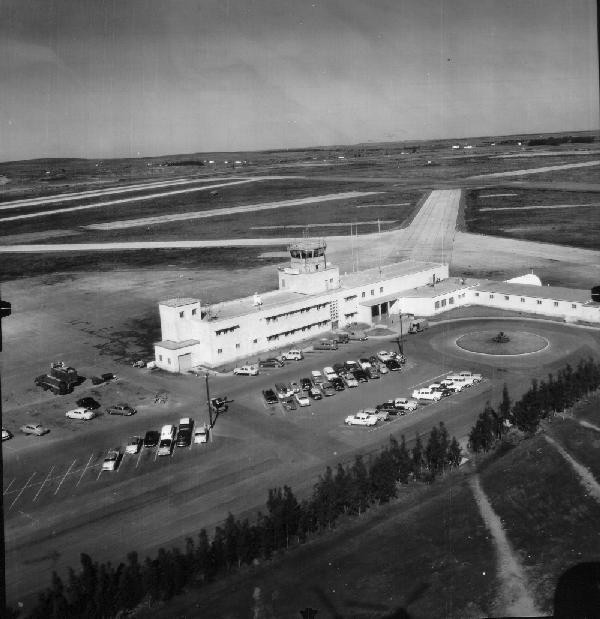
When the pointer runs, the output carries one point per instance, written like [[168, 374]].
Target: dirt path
[[587, 480], [514, 600], [587, 424]]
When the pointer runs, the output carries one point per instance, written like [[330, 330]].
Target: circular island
[[502, 344]]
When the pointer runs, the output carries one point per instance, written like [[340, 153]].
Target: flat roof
[[179, 301], [389, 271], [170, 345], [556, 293], [446, 286], [245, 306]]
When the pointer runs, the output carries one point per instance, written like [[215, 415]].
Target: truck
[[325, 344], [418, 325], [357, 334], [59, 369], [341, 337], [53, 384]]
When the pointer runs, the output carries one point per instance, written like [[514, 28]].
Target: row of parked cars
[[169, 437], [332, 379], [400, 406]]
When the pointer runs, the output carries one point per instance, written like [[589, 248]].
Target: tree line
[[544, 397], [102, 590]]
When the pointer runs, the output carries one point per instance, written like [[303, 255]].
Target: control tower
[[309, 272]]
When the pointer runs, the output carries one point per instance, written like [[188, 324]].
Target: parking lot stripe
[[22, 490], [43, 484], [139, 457], [84, 470], [64, 477], [9, 485]]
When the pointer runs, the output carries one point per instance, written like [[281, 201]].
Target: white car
[[476, 378], [111, 462], [133, 445], [425, 393], [382, 415], [201, 434], [6, 434], [293, 355], [350, 380], [302, 399], [329, 373], [80, 413], [383, 368], [452, 386], [462, 380], [384, 355], [405, 404], [317, 377], [246, 370], [361, 419]]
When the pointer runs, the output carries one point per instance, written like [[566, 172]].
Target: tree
[[418, 457], [454, 453], [505, 404], [383, 476], [360, 486]]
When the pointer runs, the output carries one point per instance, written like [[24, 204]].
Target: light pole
[[210, 419]]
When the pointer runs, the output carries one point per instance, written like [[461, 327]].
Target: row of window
[[302, 310], [194, 311], [524, 300], [442, 302], [227, 330], [276, 336], [364, 293]]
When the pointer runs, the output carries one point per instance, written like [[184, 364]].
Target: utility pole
[[401, 338], [210, 419]]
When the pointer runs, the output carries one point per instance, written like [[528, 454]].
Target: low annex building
[[312, 298]]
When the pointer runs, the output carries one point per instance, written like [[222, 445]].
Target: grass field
[[570, 226]]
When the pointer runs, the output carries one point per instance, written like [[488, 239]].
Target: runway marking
[[84, 470], [43, 484], [64, 476], [9, 485], [22, 490]]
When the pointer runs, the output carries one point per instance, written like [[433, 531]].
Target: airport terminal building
[[312, 299]]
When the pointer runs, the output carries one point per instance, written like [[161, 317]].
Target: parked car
[[283, 391], [290, 404], [112, 460], [294, 386], [329, 372], [133, 445], [293, 355], [372, 372], [245, 370], [339, 368], [351, 365], [425, 393], [269, 396], [389, 408], [88, 402], [317, 377], [80, 413], [476, 378], [6, 435], [271, 362], [315, 393], [361, 376], [201, 434], [53, 384], [328, 389], [405, 404], [444, 391], [384, 355], [383, 368], [167, 436], [302, 399], [121, 409], [361, 419], [306, 384], [184, 434], [349, 380], [219, 404], [35, 429], [151, 439], [364, 363], [461, 380], [452, 386], [338, 384], [393, 365], [381, 413]]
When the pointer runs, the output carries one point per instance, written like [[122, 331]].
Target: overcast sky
[[103, 78]]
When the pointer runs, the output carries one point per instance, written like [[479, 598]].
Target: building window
[[364, 294], [555, 303], [372, 293], [573, 305], [451, 301], [160, 357], [443, 302], [476, 294], [283, 283], [169, 360], [194, 312], [219, 351], [491, 296], [180, 314], [437, 305], [539, 301], [237, 346], [331, 280], [522, 299], [255, 341], [506, 297], [381, 290]]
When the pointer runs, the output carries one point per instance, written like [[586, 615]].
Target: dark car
[[151, 439], [306, 384], [184, 437], [444, 391], [392, 365], [272, 362], [361, 376], [290, 404], [219, 404], [339, 368], [389, 407], [373, 372], [270, 397], [338, 384], [88, 403], [328, 389], [121, 409]]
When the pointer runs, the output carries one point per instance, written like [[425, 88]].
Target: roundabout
[[511, 343]]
